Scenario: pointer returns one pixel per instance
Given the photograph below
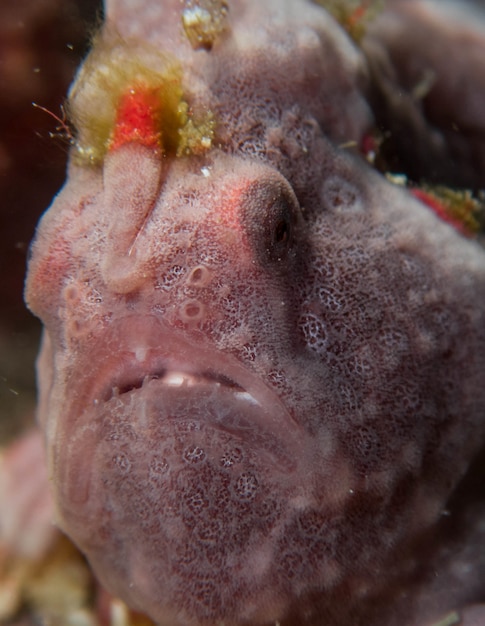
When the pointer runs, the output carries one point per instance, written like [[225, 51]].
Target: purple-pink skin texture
[[262, 376]]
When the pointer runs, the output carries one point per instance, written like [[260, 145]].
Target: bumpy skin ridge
[[329, 329]]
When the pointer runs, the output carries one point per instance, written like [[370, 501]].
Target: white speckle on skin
[[140, 353]]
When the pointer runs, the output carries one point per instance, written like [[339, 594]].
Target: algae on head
[[204, 21], [116, 66], [353, 15], [460, 205]]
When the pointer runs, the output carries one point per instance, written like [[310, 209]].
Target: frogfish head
[[260, 371]]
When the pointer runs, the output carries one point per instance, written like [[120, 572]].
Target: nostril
[[199, 276], [192, 311], [196, 275]]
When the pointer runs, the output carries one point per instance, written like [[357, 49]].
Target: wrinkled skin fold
[[261, 377]]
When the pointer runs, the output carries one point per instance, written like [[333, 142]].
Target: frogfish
[[262, 372]]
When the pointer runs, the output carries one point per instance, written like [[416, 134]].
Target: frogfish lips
[[180, 461]]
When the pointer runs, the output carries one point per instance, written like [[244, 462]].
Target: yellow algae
[[116, 67], [451, 619], [460, 205], [196, 133], [353, 15], [204, 21]]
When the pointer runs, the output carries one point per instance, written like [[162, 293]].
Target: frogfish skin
[[262, 374]]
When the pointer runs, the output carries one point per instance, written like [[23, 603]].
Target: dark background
[[41, 45]]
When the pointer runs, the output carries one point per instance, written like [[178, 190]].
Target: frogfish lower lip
[[141, 355]]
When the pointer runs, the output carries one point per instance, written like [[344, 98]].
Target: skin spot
[[200, 276]]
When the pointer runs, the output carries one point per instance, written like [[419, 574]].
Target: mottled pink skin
[[314, 465]]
